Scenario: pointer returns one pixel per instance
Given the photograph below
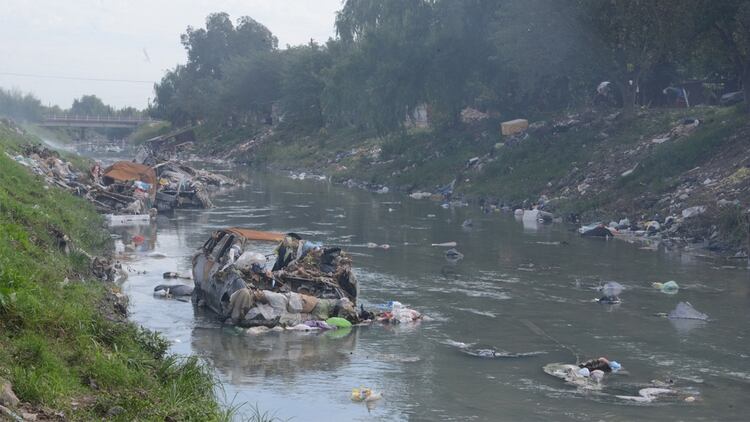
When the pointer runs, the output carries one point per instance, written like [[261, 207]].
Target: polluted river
[[522, 296]]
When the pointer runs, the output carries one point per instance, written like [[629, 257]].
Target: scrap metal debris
[[127, 188]]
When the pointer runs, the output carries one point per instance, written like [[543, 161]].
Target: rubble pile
[[123, 188], [306, 282], [48, 164], [126, 188], [308, 286], [117, 189], [178, 185], [181, 186], [323, 266]]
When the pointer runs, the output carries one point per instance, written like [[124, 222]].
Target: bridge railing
[[95, 118]]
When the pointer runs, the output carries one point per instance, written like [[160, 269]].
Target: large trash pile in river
[[309, 286], [181, 186]]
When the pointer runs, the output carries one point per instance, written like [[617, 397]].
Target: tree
[[378, 74], [730, 20], [631, 36], [251, 36], [250, 85], [302, 84], [540, 60], [18, 105], [90, 105], [230, 70], [459, 50], [208, 48], [166, 105]]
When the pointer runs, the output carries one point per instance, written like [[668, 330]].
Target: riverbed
[[518, 289]]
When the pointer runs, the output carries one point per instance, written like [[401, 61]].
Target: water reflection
[[685, 326], [247, 358], [135, 238]]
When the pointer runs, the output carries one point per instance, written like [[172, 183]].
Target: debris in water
[[365, 394], [670, 287], [171, 274], [174, 290], [452, 255], [684, 310], [446, 244], [611, 292]]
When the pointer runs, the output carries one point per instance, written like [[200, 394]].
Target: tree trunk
[[628, 97], [746, 87]]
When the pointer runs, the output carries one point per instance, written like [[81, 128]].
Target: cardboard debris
[[513, 127]]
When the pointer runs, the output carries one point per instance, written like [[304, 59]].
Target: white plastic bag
[[246, 260], [295, 304]]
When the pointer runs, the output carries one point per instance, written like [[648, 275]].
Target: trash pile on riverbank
[[692, 228], [126, 188], [49, 165], [122, 188]]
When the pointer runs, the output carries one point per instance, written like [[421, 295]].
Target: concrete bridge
[[85, 121]]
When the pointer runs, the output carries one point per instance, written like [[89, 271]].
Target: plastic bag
[[670, 287], [612, 289], [306, 246], [403, 314], [276, 300], [246, 260], [338, 322], [685, 310], [295, 304]]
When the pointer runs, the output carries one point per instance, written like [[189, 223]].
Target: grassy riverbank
[[65, 347]]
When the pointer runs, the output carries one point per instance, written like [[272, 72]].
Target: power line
[[75, 78]]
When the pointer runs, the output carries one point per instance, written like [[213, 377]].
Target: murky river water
[[518, 289]]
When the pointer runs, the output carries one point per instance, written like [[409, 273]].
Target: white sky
[[106, 39]]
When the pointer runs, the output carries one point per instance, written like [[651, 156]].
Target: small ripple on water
[[311, 233], [477, 312], [381, 282], [248, 215], [500, 277], [410, 227], [297, 193], [358, 253], [471, 293]]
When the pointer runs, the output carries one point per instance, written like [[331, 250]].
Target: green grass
[[424, 159], [734, 223], [672, 158], [57, 344], [148, 131], [216, 138]]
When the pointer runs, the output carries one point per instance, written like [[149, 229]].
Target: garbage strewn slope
[[124, 188], [592, 165]]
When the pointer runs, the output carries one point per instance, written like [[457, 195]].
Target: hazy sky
[[127, 40]]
